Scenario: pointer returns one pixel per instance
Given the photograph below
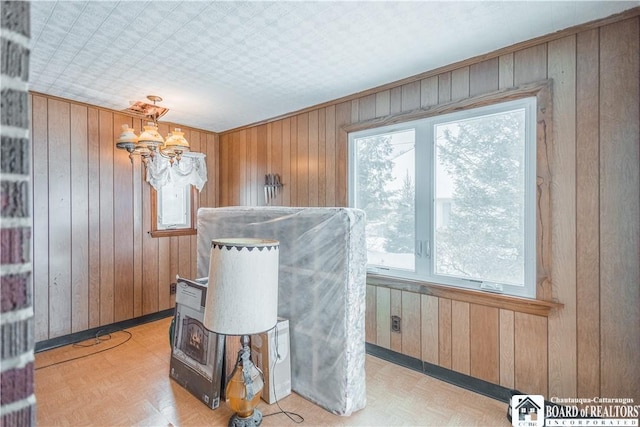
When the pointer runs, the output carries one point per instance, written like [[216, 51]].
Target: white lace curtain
[[191, 169]]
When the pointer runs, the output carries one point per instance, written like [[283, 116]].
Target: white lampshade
[[242, 297]]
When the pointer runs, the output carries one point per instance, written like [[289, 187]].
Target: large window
[[450, 199]]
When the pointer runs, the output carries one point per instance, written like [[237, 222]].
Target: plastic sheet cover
[[322, 286]]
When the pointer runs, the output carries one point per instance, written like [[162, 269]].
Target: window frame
[[542, 148], [425, 231], [169, 232]]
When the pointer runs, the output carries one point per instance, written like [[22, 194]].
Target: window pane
[[480, 197], [385, 190], [173, 209]]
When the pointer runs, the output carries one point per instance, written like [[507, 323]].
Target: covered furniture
[[321, 291]]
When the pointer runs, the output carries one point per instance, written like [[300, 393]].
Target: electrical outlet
[[395, 324], [172, 289]]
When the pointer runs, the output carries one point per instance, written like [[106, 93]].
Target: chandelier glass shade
[[150, 137], [176, 141]]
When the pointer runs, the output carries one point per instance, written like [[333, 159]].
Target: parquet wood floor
[[129, 385]]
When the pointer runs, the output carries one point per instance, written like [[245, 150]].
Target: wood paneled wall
[[591, 346], [501, 346], [94, 262], [302, 149]]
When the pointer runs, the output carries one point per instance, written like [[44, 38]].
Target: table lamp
[[242, 299]]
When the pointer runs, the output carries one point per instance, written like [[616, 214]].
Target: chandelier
[[150, 143], [158, 153]]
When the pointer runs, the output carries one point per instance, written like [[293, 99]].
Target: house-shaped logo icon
[[527, 410]]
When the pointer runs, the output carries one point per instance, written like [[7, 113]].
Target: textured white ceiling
[[220, 65]]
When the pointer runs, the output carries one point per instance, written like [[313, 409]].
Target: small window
[[172, 210], [174, 207]]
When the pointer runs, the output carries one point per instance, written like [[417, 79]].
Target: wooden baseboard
[[106, 329], [470, 383]]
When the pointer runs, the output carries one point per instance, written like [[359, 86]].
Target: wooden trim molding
[[544, 147], [540, 89], [80, 336], [172, 233], [468, 382], [522, 305], [121, 112]]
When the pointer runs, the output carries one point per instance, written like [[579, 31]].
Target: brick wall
[[17, 399]]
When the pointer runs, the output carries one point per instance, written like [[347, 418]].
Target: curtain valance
[[191, 169]]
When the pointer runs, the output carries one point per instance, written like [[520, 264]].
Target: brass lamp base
[[253, 420], [244, 388]]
